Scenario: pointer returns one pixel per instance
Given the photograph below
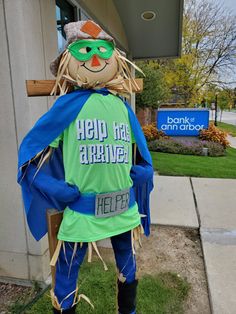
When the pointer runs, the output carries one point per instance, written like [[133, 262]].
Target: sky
[[231, 4]]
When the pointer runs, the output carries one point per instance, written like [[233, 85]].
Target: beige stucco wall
[[28, 44], [12, 231]]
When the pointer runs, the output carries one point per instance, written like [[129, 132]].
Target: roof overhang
[[160, 37], [142, 39]]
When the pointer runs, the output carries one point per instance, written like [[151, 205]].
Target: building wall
[[146, 116], [28, 44]]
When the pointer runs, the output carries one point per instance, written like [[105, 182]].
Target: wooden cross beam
[[44, 87]]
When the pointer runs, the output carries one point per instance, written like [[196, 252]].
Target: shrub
[[151, 133], [186, 147], [215, 149], [213, 134], [164, 146]]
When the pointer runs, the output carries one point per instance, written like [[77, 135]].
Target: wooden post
[[54, 218]]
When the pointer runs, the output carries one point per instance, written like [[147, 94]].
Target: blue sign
[[182, 122]]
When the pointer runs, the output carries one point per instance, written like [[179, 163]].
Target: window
[[65, 13]]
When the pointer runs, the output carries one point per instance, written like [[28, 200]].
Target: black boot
[[68, 311], [127, 297]]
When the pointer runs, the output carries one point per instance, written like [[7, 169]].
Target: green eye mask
[[83, 50]]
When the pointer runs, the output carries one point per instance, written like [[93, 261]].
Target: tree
[[178, 75], [155, 88], [223, 96], [225, 100], [209, 49]]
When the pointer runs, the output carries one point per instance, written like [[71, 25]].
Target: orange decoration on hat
[[91, 28]]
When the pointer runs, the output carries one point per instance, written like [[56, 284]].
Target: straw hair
[[117, 85]]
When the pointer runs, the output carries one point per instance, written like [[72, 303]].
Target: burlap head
[[80, 30]]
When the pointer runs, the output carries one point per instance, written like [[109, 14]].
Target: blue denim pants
[[69, 262]]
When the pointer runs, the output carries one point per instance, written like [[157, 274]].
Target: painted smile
[[83, 65]]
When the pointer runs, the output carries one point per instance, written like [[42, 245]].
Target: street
[[228, 117]]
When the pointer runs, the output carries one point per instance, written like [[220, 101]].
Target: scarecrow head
[[91, 60]]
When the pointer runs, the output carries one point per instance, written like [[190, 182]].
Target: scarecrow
[[79, 158]]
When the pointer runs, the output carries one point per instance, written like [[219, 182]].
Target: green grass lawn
[[196, 166], [229, 128], [160, 294]]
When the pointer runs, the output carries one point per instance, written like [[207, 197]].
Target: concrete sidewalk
[[210, 205], [232, 141]]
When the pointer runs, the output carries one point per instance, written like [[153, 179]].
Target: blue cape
[[48, 188]]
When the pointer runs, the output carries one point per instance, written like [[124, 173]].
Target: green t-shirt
[[97, 157]]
